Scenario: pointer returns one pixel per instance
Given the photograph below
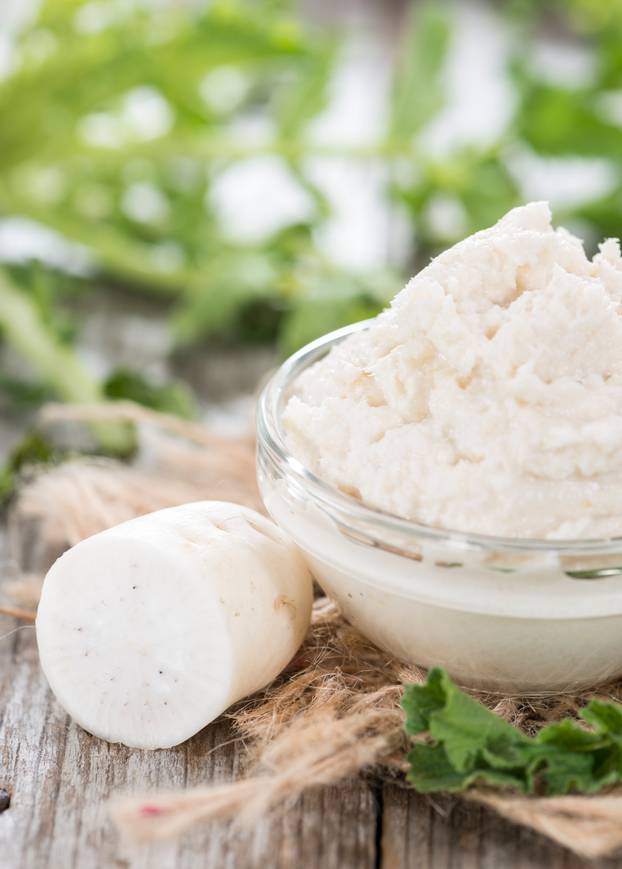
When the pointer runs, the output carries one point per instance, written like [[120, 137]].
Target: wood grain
[[61, 778], [442, 832]]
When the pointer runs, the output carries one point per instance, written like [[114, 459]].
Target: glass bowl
[[528, 616]]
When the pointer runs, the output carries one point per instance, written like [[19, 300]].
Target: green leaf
[[320, 298], [308, 319], [604, 717], [566, 735], [419, 90], [23, 394], [421, 701], [300, 103], [235, 279], [571, 772], [467, 743], [174, 398], [33, 449], [560, 121], [431, 770], [465, 728], [55, 363]]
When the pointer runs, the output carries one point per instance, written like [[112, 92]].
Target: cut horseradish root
[[149, 630]]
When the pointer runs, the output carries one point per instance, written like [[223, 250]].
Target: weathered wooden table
[[60, 779]]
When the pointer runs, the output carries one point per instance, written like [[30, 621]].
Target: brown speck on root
[[5, 799], [283, 601]]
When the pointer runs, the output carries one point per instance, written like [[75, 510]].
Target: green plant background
[[78, 65]]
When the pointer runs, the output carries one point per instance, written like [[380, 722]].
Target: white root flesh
[[151, 629]]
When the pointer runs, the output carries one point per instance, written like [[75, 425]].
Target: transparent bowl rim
[[271, 438]]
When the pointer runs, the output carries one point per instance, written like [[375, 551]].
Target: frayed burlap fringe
[[334, 712], [589, 826], [179, 461], [337, 712]]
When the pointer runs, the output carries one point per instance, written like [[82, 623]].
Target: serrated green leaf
[[431, 770], [468, 744], [463, 726], [421, 701], [605, 718]]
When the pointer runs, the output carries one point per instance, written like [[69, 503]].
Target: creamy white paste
[[488, 397]]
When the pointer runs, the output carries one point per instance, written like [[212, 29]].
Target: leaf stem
[[53, 361]]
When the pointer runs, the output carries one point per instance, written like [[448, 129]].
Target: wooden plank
[[441, 832], [61, 779]]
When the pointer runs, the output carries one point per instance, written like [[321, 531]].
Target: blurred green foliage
[[110, 102], [32, 449], [116, 98], [175, 398]]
